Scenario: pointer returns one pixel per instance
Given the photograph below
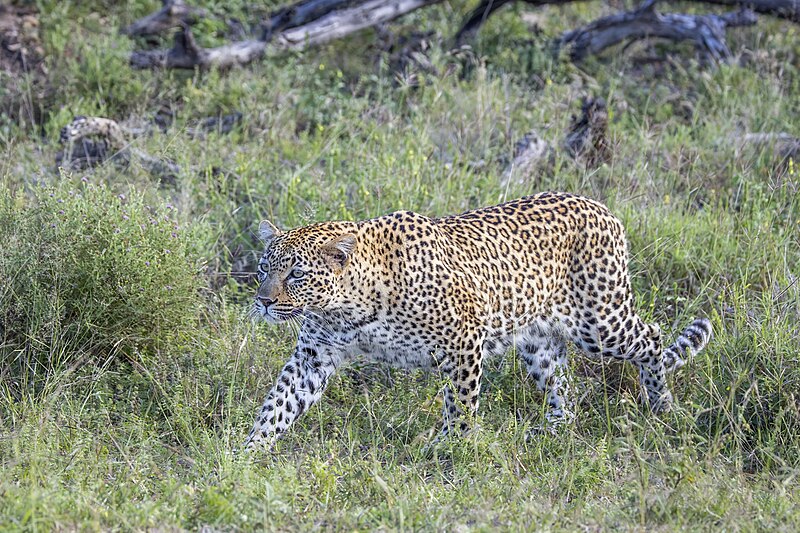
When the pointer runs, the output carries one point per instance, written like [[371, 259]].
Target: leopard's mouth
[[281, 315]]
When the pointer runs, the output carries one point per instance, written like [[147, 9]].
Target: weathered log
[[312, 22], [337, 24], [706, 31], [173, 14], [185, 52], [787, 9]]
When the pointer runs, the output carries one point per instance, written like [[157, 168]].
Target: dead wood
[[185, 52], [338, 24], [706, 31], [787, 9]]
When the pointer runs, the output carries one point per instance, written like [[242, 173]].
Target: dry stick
[[336, 24], [707, 31]]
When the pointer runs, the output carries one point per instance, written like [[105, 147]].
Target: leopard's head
[[301, 269]]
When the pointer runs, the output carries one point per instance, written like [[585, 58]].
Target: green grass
[[130, 419]]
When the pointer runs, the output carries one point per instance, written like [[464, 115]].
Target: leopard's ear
[[267, 231], [338, 250]]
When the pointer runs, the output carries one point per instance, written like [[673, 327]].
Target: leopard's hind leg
[[545, 356], [632, 340]]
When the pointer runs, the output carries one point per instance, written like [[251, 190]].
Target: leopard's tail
[[693, 339]]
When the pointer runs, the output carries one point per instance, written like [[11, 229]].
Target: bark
[[338, 24], [186, 54]]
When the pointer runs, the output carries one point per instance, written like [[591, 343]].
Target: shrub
[[88, 275]]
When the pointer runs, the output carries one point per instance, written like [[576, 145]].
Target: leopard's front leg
[[299, 386], [464, 369]]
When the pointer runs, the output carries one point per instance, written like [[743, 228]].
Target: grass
[[115, 429]]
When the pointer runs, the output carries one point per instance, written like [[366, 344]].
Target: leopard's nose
[[265, 301]]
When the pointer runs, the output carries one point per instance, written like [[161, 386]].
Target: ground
[[125, 390]]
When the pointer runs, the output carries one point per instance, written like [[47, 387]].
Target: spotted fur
[[444, 293]]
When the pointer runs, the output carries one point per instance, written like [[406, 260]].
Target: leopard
[[444, 294]]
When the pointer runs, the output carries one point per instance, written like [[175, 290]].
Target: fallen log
[[707, 31], [185, 52], [786, 9]]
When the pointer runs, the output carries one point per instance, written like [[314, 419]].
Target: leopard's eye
[[296, 273]]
